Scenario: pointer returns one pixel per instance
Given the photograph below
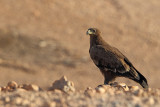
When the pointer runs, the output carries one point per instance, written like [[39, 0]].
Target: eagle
[[111, 62]]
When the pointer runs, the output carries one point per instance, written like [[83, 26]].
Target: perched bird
[[111, 62]]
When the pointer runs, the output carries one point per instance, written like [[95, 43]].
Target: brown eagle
[[111, 62]]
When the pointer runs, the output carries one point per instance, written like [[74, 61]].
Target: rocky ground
[[62, 93]]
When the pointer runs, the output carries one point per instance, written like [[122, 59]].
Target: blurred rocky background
[[40, 41]]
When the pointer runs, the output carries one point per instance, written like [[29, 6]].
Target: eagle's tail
[[142, 80]]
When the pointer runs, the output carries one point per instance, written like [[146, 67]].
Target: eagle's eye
[[91, 31]]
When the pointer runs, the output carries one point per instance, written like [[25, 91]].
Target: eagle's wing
[[104, 58]]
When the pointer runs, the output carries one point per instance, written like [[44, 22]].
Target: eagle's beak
[[89, 32]]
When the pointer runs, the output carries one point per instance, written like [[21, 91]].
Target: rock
[[120, 86], [63, 84], [101, 90], [133, 88], [151, 101], [89, 92], [106, 87], [149, 90], [52, 104], [25, 102], [18, 100], [31, 87], [57, 91], [4, 88], [20, 90], [138, 92], [12, 84], [89, 88], [20, 86], [124, 86], [7, 99]]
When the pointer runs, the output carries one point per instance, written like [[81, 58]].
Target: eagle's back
[[104, 58]]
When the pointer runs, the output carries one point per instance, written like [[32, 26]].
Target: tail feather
[[142, 80]]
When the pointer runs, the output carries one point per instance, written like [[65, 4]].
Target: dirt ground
[[40, 41]]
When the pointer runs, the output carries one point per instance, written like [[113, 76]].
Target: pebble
[[18, 100], [7, 99], [25, 102], [89, 92], [20, 90], [31, 87], [12, 84], [133, 88], [100, 90], [151, 101], [52, 104], [57, 91], [63, 84], [138, 92], [123, 86]]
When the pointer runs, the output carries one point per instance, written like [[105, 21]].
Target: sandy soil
[[62, 93]]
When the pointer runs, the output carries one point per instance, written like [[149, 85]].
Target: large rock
[[63, 84]]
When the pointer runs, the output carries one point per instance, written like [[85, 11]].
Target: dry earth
[[40, 41], [62, 93]]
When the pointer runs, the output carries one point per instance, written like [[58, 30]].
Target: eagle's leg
[[109, 77]]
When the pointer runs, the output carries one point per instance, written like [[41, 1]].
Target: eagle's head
[[93, 31]]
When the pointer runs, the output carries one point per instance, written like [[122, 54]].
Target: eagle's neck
[[96, 40]]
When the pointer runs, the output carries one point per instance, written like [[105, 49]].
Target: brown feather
[[111, 62]]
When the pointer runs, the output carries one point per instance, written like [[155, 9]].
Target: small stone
[[18, 101], [151, 101], [25, 102], [34, 87], [52, 104], [12, 84], [138, 92], [8, 88], [149, 90], [20, 90], [4, 88], [90, 92], [7, 99], [100, 90], [20, 86], [63, 84], [106, 86], [133, 88], [49, 104], [57, 91], [31, 87], [124, 86], [89, 88], [118, 92]]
